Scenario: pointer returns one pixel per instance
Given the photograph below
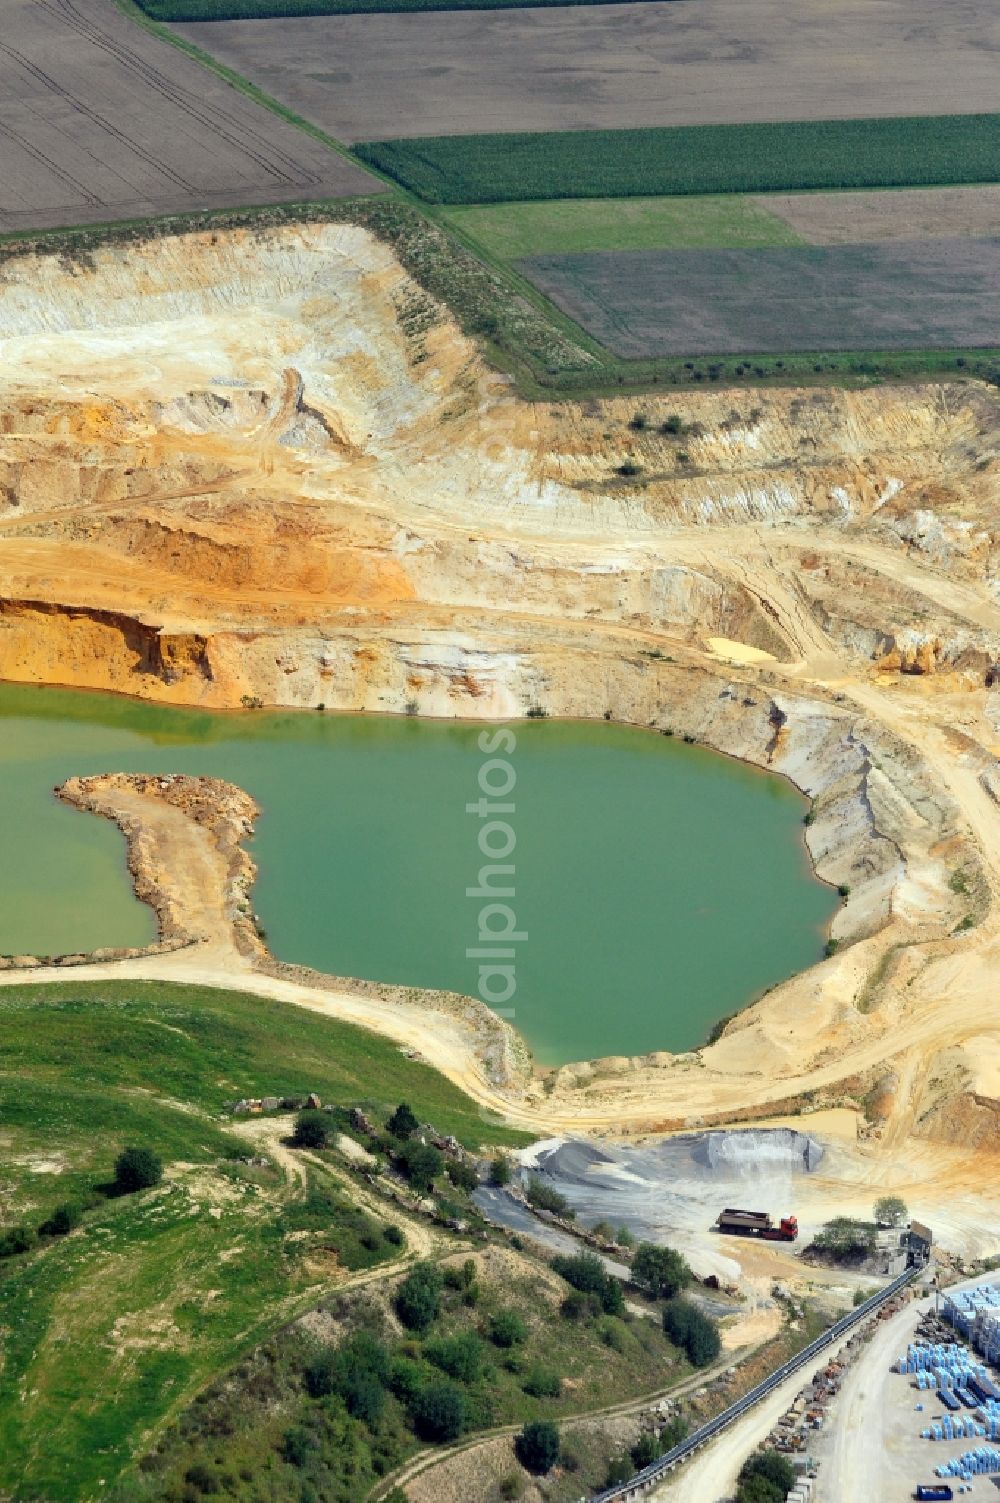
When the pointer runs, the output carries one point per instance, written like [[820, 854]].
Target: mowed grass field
[[697, 159], [898, 295], [594, 67], [104, 1332], [510, 231], [102, 121]]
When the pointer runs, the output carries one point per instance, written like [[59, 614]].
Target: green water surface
[[661, 886]]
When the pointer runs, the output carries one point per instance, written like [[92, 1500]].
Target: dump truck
[[736, 1223]]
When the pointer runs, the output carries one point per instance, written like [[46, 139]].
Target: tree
[[418, 1298], [537, 1446], [660, 1271], [312, 1130], [890, 1210], [500, 1170], [403, 1122], [690, 1329], [421, 1163], [137, 1169], [507, 1329], [438, 1412]]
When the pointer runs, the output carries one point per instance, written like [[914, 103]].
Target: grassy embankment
[[558, 1368], [106, 1331]]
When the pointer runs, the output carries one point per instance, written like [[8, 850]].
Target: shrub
[[337, 1369], [500, 1170], [461, 1356], [537, 1446], [674, 424], [296, 1447], [201, 1478], [312, 1130], [61, 1222], [137, 1169], [766, 1477], [545, 1197], [406, 1378], [418, 1298], [580, 1306], [438, 1412], [17, 1239], [541, 1383], [628, 468], [507, 1329], [403, 1122], [585, 1272], [645, 1450], [691, 1330], [619, 1470], [463, 1174], [659, 1271], [394, 1234], [421, 1163], [625, 1237], [639, 423], [513, 1485], [846, 1239], [364, 1396]]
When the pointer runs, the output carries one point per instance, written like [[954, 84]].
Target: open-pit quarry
[[263, 468]]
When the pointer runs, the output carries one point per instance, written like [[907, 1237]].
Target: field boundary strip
[[274, 10], [781, 156]]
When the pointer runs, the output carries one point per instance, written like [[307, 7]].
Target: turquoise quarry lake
[[660, 886]]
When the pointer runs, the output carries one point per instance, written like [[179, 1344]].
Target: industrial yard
[[875, 1446]]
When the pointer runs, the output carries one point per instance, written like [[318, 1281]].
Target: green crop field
[[105, 1331], [260, 10], [509, 231], [701, 159]]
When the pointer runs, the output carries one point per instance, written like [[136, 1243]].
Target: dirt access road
[[100, 120], [578, 67]]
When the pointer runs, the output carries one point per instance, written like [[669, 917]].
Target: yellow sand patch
[[737, 652]]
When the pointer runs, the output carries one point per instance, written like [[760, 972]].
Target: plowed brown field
[[99, 120]]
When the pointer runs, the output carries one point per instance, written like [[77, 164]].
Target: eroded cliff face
[[265, 467]]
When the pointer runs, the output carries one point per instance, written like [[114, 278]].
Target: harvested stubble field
[[931, 294], [100, 120], [665, 62], [703, 159], [902, 214]]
